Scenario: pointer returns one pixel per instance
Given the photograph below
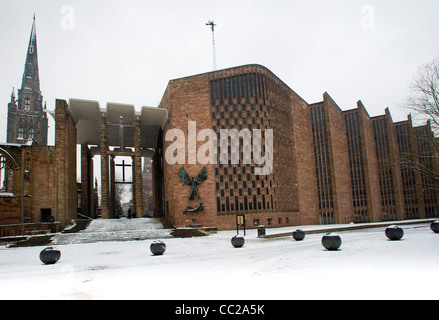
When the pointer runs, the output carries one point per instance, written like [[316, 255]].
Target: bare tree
[[424, 102], [424, 93]]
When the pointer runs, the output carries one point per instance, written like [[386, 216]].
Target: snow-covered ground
[[368, 266]]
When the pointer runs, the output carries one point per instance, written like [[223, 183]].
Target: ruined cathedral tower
[[27, 119]]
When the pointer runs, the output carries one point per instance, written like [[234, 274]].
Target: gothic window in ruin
[[21, 133], [7, 168]]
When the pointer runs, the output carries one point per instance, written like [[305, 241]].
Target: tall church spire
[[31, 78], [27, 119]]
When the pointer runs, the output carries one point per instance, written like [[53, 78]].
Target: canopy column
[[137, 169], [105, 167]]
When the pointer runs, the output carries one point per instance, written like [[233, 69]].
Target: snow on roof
[[7, 195]]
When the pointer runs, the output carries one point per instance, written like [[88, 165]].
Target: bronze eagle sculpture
[[193, 182]]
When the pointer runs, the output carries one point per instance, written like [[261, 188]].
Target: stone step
[[116, 230]]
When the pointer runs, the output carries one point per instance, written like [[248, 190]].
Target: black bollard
[[238, 241], [331, 241], [299, 235], [435, 226], [158, 248], [50, 255], [394, 233]]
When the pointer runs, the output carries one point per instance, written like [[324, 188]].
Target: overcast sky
[[127, 51]]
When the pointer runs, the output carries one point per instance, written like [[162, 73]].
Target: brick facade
[[48, 182], [188, 100], [65, 164], [39, 184], [330, 166]]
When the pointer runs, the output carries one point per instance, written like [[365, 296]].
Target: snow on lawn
[[368, 266]]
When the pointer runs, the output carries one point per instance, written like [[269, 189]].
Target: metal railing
[[27, 229]]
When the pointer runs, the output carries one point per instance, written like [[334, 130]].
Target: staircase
[[116, 230]]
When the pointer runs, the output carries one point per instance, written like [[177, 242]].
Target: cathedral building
[[221, 145], [27, 119], [330, 165]]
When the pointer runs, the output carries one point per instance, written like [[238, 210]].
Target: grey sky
[[127, 51]]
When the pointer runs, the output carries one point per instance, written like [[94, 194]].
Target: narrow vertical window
[[3, 174], [31, 133], [27, 104], [21, 133]]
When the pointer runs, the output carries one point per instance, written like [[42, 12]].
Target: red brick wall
[[339, 160], [303, 162], [396, 170], [43, 180], [65, 141], [10, 210], [190, 99], [370, 164], [39, 183]]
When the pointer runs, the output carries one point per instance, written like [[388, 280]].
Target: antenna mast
[[212, 24]]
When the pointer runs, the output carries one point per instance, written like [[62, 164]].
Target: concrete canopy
[[87, 115], [114, 112], [152, 120]]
